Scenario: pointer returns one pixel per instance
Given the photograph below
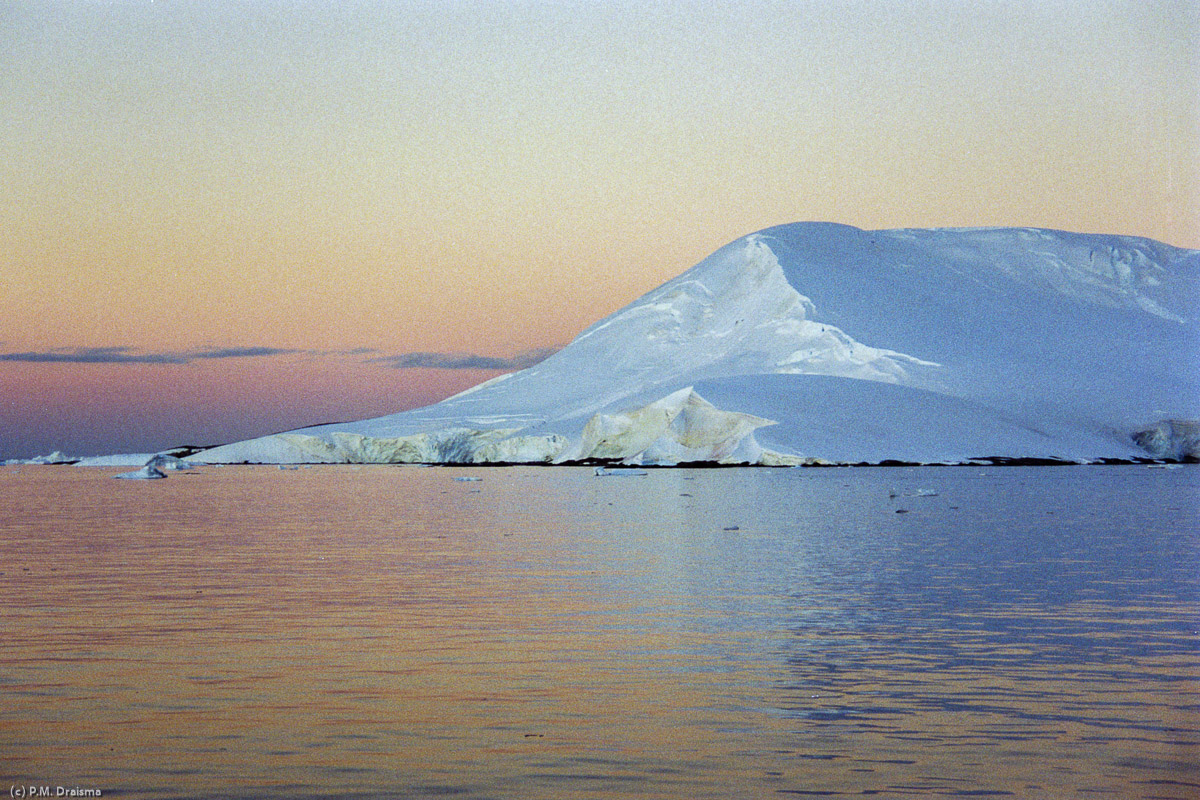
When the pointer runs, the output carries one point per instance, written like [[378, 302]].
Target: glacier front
[[824, 343]]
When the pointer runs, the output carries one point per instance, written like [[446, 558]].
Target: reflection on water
[[383, 631]]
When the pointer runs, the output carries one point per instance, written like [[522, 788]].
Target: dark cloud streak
[[94, 355], [424, 360], [416, 360], [127, 355], [242, 352]]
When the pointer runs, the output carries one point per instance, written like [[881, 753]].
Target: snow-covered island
[[823, 343]]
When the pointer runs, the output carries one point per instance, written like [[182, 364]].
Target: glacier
[[817, 343]]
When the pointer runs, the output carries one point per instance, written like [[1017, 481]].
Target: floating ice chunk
[[469, 479], [619, 472], [146, 473], [770, 458]]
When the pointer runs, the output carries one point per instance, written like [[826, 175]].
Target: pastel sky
[[220, 219]]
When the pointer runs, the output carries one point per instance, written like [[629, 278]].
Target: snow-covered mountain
[[817, 341]]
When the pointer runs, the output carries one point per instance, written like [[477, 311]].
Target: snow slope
[[823, 341]]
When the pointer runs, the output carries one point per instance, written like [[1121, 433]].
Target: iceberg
[[816, 343], [619, 472]]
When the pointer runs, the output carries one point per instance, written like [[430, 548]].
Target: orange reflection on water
[[254, 631]]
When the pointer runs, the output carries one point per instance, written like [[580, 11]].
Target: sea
[[524, 632]]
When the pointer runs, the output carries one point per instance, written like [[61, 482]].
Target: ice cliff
[[821, 342]]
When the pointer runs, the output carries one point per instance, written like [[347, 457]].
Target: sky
[[224, 219]]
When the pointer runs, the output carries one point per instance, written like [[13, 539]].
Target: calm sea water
[[544, 633]]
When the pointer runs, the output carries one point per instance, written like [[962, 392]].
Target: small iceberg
[[163, 461], [146, 473], [468, 480], [619, 472]]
